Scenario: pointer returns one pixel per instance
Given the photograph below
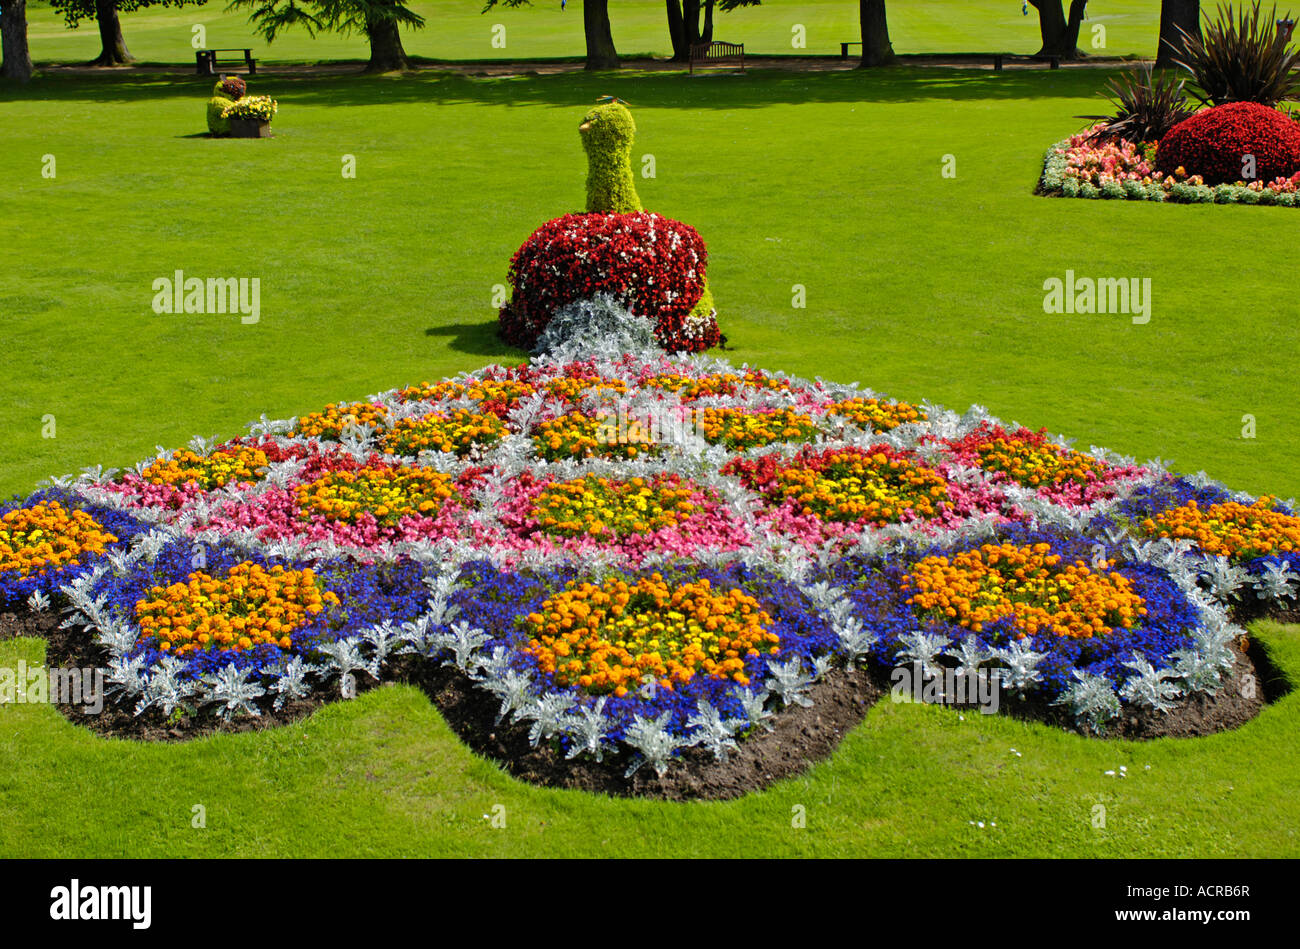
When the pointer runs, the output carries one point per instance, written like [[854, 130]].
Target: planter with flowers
[[250, 117], [227, 91]]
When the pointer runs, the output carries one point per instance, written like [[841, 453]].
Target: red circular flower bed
[[1212, 143], [653, 265]]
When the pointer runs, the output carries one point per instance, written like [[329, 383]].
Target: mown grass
[[917, 285], [458, 29]]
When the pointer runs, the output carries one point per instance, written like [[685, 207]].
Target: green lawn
[[917, 285], [457, 29]]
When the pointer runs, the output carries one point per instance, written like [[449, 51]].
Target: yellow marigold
[[221, 467], [458, 432], [875, 415], [330, 422], [745, 428], [48, 536], [1029, 583], [607, 509], [388, 494], [855, 485], [249, 607], [503, 392], [579, 435], [608, 638], [1230, 529], [1035, 464], [689, 388]]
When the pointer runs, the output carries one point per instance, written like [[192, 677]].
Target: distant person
[[562, 3]]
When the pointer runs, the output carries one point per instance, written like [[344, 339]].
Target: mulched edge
[[800, 736]]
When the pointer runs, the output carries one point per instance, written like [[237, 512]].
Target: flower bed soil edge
[[801, 736]]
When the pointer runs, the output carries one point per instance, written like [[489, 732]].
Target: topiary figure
[[652, 265], [1214, 144], [228, 89], [218, 124], [607, 132]]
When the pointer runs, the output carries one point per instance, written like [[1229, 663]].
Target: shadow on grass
[[670, 90], [477, 339]]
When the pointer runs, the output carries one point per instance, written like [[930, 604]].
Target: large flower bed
[[641, 555], [1086, 166]]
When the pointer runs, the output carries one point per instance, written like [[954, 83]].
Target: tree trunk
[[1060, 35], [691, 13], [706, 35], [876, 48], [677, 32], [386, 52], [112, 47], [601, 53], [13, 27], [1176, 14]]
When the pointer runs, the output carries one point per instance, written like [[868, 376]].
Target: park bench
[[207, 60], [717, 54], [1054, 62]]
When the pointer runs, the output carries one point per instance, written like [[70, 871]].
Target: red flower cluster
[[653, 265], [1213, 143], [233, 86]]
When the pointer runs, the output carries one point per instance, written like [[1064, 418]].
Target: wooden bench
[[844, 48], [717, 54], [1053, 61], [206, 60]]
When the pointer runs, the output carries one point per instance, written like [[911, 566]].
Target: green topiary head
[[608, 126], [607, 132]]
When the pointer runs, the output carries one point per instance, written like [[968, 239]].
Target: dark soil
[[73, 648], [800, 737], [1191, 717]]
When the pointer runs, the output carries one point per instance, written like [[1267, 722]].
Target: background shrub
[[1242, 58], [1213, 143], [1146, 106]]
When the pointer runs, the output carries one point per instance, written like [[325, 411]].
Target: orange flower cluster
[[48, 536], [689, 388], [219, 468], [247, 608], [1230, 529], [1028, 583], [387, 493], [875, 415], [330, 421], [608, 638], [605, 509], [502, 392], [854, 485], [744, 428], [1036, 462], [579, 435], [572, 388], [458, 433]]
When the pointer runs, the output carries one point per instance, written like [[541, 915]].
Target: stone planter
[[249, 128]]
